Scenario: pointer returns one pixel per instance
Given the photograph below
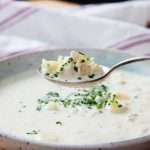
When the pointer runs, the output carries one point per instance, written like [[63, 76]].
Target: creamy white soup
[[124, 117]]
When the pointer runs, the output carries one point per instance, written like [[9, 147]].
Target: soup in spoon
[[74, 68]]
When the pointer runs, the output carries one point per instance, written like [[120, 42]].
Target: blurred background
[[72, 2], [94, 1], [77, 3], [67, 24]]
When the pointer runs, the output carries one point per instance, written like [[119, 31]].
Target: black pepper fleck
[[79, 78]]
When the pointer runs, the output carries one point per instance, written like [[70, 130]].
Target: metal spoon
[[104, 76]]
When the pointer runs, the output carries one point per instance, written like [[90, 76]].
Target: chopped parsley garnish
[[79, 78], [86, 57], [97, 96], [47, 74], [33, 132], [59, 123], [75, 68], [82, 61], [70, 60], [23, 107], [42, 102], [81, 53], [54, 94], [62, 68], [38, 108], [119, 105], [56, 75], [76, 61], [91, 76]]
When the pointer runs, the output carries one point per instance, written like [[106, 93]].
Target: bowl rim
[[116, 144]]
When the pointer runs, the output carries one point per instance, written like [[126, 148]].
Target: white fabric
[[137, 12], [83, 27]]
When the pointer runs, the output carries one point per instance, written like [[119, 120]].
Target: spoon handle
[[125, 62]]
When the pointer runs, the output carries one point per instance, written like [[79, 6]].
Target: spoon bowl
[[74, 83]]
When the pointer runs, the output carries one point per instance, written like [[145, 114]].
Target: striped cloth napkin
[[136, 12], [24, 27]]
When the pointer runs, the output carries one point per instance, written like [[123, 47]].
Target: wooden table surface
[[54, 3]]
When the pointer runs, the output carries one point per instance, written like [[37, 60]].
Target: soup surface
[[74, 125]]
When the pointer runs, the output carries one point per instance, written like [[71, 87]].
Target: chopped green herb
[[24, 106], [79, 78], [81, 53], [59, 123], [100, 105], [64, 64], [91, 76], [56, 75], [54, 94], [115, 106], [97, 96], [89, 107], [119, 105], [33, 132], [38, 108], [82, 61], [112, 100], [47, 74], [86, 57], [70, 60], [66, 103], [76, 68], [61, 69]]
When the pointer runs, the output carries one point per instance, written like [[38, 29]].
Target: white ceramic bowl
[[31, 60]]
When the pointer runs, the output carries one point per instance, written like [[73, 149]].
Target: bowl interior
[[31, 61]]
